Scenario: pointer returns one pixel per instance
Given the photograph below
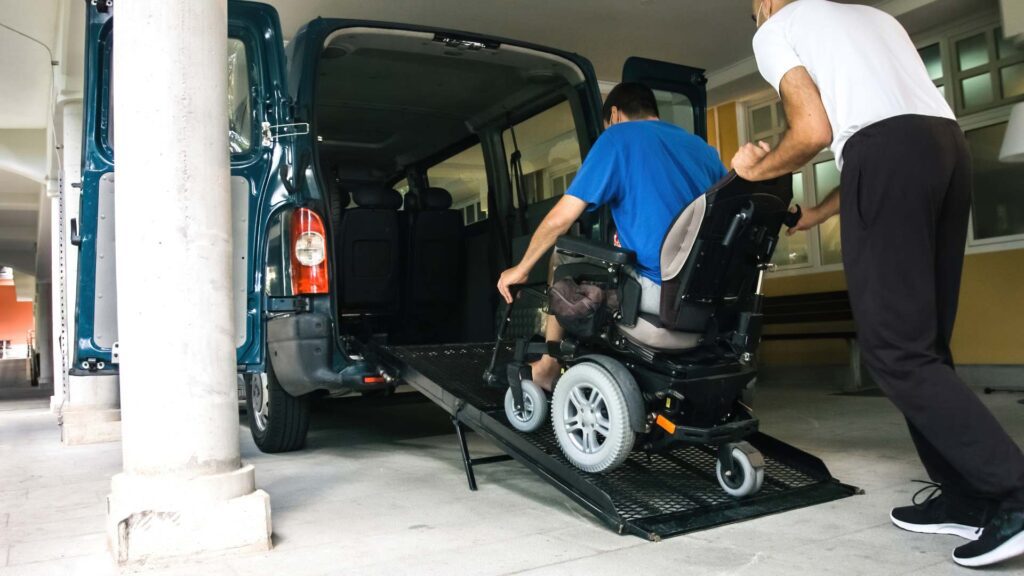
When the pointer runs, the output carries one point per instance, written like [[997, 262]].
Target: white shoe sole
[[1012, 547], [965, 532]]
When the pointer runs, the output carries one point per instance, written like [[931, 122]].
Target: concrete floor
[[380, 490]]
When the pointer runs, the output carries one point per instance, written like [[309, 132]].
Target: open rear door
[[256, 98], [680, 90]]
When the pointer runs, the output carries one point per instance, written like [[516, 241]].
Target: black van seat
[[367, 248], [435, 258]]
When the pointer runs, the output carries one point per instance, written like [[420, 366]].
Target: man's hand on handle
[[748, 157], [509, 278]]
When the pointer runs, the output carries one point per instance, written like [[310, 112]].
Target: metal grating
[[676, 489]]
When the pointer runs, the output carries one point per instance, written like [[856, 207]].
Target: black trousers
[[904, 205]]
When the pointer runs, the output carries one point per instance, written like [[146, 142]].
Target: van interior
[[422, 138]]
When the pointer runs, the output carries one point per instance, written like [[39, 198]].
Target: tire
[[748, 479], [591, 418], [278, 421], [535, 408]]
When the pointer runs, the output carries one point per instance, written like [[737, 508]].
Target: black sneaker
[[1001, 539], [932, 516]]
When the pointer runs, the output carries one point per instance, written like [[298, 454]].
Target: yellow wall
[[990, 323]]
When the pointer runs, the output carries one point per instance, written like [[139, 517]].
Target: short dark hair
[[631, 98]]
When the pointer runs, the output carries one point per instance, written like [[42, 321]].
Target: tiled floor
[[380, 490]]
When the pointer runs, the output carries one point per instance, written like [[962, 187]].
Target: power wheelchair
[[684, 376]]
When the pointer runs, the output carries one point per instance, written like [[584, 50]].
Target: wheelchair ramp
[[651, 496]]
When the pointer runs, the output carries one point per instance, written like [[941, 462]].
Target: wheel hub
[[586, 419], [259, 404]]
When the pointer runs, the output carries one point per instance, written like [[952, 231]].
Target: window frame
[[994, 67]]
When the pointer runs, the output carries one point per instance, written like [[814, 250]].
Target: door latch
[[273, 132]]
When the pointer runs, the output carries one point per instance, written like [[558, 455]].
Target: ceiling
[[712, 34]]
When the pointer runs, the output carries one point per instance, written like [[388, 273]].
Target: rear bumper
[[301, 349]]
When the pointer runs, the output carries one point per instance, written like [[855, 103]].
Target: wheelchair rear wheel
[[591, 418]]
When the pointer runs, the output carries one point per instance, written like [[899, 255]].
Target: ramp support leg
[[460, 433]]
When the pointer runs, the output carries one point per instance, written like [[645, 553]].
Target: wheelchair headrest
[[376, 196], [436, 199]]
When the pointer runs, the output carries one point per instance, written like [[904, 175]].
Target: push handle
[[793, 218]]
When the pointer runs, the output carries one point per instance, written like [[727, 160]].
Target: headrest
[[411, 201], [375, 196], [341, 194], [435, 199]]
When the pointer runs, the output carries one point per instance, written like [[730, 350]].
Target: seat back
[[435, 252], [711, 253], [367, 250]]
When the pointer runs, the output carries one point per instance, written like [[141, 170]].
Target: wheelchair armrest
[[575, 246]]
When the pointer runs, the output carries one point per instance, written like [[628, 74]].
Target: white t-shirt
[[864, 63]]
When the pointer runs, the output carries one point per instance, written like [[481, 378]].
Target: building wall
[[16, 318], [990, 323]]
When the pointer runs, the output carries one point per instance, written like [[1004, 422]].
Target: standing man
[[850, 76]]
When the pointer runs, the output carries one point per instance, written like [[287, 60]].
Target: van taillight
[[309, 253]]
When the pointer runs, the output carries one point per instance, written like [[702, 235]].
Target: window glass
[[464, 176], [932, 57], [550, 152], [1013, 80], [239, 113], [761, 119], [977, 90], [1006, 48], [826, 179], [675, 109], [972, 52], [998, 186], [792, 250]]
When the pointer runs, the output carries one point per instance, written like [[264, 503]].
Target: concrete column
[[183, 489], [44, 323], [89, 406]]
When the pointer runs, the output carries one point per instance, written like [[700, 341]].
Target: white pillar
[[183, 488], [88, 406]]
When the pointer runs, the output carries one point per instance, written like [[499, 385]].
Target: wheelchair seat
[[711, 260]]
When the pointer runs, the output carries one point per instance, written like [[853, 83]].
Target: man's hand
[[508, 278], [748, 157], [809, 218]]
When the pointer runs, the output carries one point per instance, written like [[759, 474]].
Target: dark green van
[[382, 176]]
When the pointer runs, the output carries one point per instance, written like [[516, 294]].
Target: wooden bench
[[823, 315]]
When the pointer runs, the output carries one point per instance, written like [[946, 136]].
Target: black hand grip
[[793, 218], [76, 238]]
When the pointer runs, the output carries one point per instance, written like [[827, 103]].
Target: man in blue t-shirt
[[646, 171]]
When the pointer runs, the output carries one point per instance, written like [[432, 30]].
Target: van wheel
[[278, 421]]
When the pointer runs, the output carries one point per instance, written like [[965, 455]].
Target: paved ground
[[380, 490]]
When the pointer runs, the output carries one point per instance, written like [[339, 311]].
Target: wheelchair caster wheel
[[747, 473], [535, 408]]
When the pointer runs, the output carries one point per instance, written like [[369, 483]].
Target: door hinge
[[271, 133], [115, 353], [103, 6]]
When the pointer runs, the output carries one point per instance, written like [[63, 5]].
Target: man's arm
[[555, 224], [809, 132], [812, 216]]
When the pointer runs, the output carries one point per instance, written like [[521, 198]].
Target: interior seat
[[434, 270], [367, 252]]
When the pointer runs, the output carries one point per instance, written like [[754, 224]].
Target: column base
[[159, 517], [89, 425]]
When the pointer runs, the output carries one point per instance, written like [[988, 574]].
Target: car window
[[550, 152], [464, 176]]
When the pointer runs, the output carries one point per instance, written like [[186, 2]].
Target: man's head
[[764, 9], [629, 101]]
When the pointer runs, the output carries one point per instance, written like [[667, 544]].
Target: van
[[382, 176]]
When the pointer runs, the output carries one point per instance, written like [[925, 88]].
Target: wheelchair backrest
[[711, 253]]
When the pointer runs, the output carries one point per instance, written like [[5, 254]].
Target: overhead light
[[1013, 142]]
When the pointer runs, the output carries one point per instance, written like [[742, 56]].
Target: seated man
[[647, 171]]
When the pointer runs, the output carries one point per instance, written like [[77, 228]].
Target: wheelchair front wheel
[[535, 408]]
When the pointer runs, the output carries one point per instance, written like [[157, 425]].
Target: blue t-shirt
[[647, 171]]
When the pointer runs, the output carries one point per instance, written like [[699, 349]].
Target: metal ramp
[[652, 496]]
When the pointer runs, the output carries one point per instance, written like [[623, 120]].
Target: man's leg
[[547, 369], [894, 186]]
